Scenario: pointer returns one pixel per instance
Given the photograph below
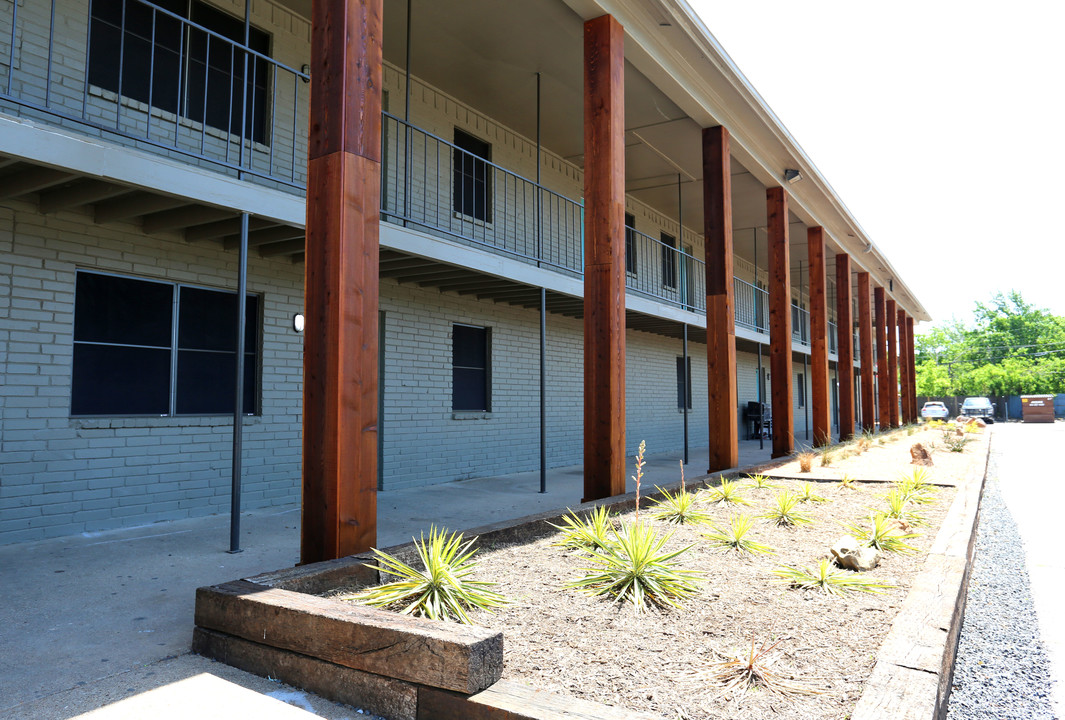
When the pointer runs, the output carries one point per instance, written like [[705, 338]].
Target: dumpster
[[1037, 408]]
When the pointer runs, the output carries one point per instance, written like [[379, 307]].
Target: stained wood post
[[341, 282], [604, 266], [893, 362], [911, 362], [882, 380], [720, 301], [821, 416], [844, 346], [865, 349], [904, 369], [780, 321]]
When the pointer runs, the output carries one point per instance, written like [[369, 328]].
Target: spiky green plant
[[806, 494], [753, 668], [916, 486], [636, 569], [847, 483], [783, 512], [442, 590], [760, 482], [591, 533], [734, 537], [883, 534], [898, 508], [827, 579], [730, 492], [679, 507]]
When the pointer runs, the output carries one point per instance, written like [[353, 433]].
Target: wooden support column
[[780, 321], [821, 415], [604, 266], [912, 368], [865, 349], [904, 370], [882, 380], [893, 363], [341, 282], [844, 346], [720, 308]]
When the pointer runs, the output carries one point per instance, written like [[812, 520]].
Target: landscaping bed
[[655, 663]]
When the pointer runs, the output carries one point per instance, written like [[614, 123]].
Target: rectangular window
[[472, 187], [630, 244], [144, 347], [800, 389], [147, 53], [470, 369], [684, 383], [669, 261]]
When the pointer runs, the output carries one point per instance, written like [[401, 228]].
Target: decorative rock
[[920, 455], [852, 555]]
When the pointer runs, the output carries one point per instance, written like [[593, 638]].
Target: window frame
[[486, 370], [669, 261], [479, 165], [253, 354], [632, 264]]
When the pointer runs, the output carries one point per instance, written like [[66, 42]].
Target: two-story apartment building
[[154, 160]]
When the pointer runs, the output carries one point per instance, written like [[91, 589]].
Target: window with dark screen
[[144, 347], [669, 261], [472, 188], [144, 51], [470, 369], [630, 244]]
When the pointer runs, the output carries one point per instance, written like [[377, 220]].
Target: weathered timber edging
[[413, 669], [915, 666]]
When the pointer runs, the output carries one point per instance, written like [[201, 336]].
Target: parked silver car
[[934, 410]]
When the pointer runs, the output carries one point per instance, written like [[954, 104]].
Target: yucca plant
[[898, 508], [783, 511], [827, 579], [635, 568], [806, 494], [847, 483], [916, 486], [442, 590], [753, 668], [760, 482], [679, 507], [591, 533], [729, 492], [734, 537], [883, 534]]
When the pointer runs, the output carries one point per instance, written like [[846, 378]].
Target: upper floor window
[[472, 185], [630, 243], [669, 261], [184, 57], [144, 347]]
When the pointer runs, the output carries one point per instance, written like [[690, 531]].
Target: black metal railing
[[180, 80]]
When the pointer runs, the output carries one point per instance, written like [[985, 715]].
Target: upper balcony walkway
[[210, 98]]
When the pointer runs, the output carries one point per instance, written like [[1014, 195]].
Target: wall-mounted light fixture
[[298, 322], [792, 176], [306, 70]]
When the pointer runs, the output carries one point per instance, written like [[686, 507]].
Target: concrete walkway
[[100, 624]]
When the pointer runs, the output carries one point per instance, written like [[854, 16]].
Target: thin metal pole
[[539, 189], [684, 390], [408, 137], [805, 397], [761, 403], [238, 402], [244, 89], [543, 389]]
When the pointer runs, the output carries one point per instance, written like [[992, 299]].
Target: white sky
[[940, 124]]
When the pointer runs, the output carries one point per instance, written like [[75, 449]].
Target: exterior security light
[[792, 176], [298, 322]]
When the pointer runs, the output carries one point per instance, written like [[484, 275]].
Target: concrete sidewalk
[[101, 624]]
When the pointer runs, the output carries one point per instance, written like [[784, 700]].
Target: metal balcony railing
[[752, 306], [436, 186], [132, 69]]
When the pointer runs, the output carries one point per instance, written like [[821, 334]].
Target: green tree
[[1013, 348]]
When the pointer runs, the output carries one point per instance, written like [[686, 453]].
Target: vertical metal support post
[[805, 396], [685, 390], [408, 137], [543, 390], [238, 401], [244, 87], [761, 402]]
